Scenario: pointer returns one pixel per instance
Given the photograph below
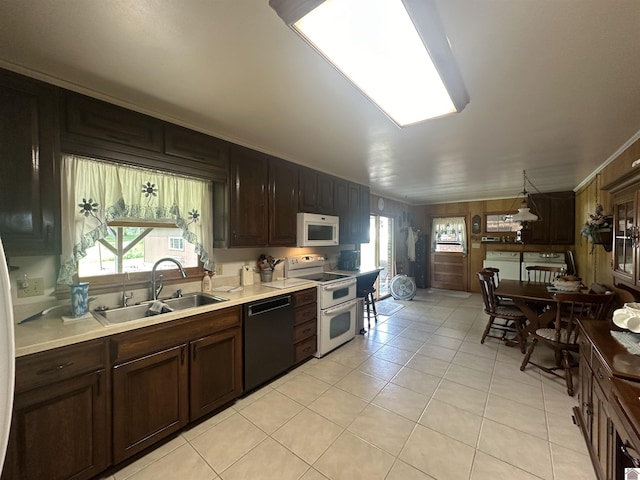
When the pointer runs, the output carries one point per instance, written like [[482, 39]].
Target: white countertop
[[48, 332]]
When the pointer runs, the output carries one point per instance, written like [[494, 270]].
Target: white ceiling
[[554, 87]]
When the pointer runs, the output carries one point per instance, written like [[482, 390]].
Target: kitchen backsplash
[[229, 260]]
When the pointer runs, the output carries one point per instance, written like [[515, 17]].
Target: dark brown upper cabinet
[[351, 205], [248, 202], [315, 192], [283, 202], [210, 152], [557, 223], [87, 117], [29, 167]]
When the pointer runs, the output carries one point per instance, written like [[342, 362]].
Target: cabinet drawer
[[305, 313], [304, 330], [304, 297], [92, 118], [601, 373], [147, 340], [59, 364], [305, 349]]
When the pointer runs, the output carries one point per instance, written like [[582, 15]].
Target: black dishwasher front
[[268, 340]]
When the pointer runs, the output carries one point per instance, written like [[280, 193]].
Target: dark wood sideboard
[[608, 412]]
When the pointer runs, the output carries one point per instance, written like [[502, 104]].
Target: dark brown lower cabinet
[[60, 426], [150, 400], [167, 375], [216, 371]]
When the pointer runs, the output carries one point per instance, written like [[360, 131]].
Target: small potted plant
[[597, 228]]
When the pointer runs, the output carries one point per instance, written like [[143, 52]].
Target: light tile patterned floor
[[418, 397]]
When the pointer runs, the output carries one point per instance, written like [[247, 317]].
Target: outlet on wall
[[34, 288]]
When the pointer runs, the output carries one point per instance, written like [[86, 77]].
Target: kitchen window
[[449, 234], [118, 219]]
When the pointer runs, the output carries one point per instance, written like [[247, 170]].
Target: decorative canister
[[79, 299]]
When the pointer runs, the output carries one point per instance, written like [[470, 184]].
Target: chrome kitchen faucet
[[156, 286]]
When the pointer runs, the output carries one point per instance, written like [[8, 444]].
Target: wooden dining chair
[[496, 282], [514, 320], [563, 336], [542, 274]]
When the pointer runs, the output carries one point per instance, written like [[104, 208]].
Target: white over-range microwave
[[316, 230]]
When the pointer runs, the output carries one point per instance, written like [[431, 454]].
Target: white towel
[[411, 244]]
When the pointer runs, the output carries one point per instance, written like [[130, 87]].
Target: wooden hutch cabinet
[[625, 194], [608, 413]]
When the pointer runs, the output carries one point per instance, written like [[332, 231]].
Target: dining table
[[534, 299]]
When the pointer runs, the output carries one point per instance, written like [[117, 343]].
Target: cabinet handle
[[99, 382], [182, 355], [306, 350], [57, 368], [600, 375], [306, 330], [193, 347], [624, 448]]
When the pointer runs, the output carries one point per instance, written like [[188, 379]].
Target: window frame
[[504, 232], [114, 282]]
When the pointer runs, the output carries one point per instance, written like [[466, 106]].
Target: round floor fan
[[402, 287]]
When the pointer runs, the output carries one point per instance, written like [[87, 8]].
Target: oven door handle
[[339, 308], [339, 286]]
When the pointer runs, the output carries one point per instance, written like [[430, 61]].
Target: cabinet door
[[248, 198], [363, 216], [341, 208], [283, 202], [90, 118], [600, 430], [562, 218], [623, 249], [150, 400], [557, 219], [537, 233], [325, 194], [29, 172], [315, 192], [212, 153], [60, 431], [308, 190], [584, 395], [216, 371]]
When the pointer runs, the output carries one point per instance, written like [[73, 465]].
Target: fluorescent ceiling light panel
[[384, 52]]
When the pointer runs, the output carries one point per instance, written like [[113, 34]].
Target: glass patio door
[[380, 251]]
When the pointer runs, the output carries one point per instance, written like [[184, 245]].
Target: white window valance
[[96, 192], [449, 230]]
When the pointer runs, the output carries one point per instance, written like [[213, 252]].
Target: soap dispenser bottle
[[206, 282]]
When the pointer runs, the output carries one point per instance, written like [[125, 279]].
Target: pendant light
[[524, 214]]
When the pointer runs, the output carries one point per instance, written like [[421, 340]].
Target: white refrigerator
[[7, 355]]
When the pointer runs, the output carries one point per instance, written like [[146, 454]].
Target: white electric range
[[336, 300]]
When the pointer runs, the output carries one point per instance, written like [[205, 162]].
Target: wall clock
[[381, 204]]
